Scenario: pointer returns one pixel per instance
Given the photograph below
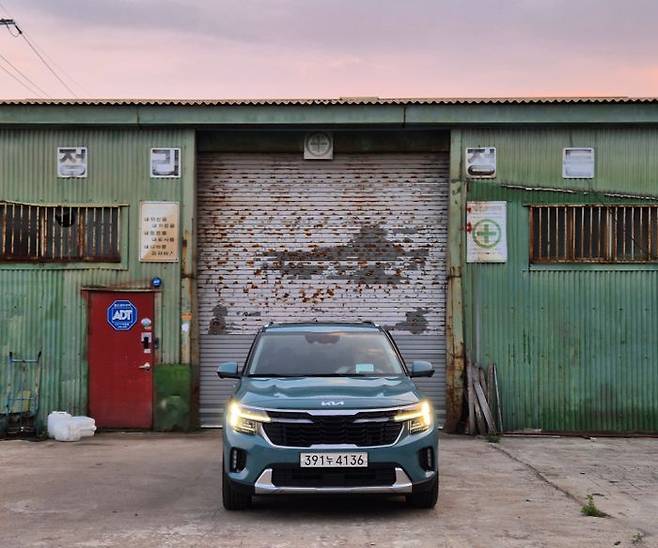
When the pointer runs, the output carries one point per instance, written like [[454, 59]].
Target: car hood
[[327, 392]]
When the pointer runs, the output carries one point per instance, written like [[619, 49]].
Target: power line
[[45, 54], [54, 63], [47, 65], [19, 81], [12, 23], [24, 76]]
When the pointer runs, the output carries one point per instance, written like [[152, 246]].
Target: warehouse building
[[144, 242]]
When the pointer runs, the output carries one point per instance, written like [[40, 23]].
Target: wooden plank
[[498, 403], [471, 400], [479, 419], [482, 400], [483, 381], [490, 386]]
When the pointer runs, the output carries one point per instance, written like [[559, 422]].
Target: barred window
[[58, 233], [593, 234]]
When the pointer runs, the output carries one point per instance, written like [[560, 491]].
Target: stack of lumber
[[484, 413]]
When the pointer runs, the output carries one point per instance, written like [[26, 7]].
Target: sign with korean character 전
[[486, 232], [72, 162], [158, 241], [165, 162]]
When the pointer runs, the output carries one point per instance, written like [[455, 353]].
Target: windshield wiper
[[273, 376], [338, 375]]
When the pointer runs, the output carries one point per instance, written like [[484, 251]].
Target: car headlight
[[418, 418], [244, 419]]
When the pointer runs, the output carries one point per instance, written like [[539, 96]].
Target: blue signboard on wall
[[122, 315]]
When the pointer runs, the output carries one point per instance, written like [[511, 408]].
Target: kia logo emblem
[[332, 403]]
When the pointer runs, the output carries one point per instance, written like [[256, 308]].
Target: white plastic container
[[54, 418], [66, 430], [63, 427], [86, 425]]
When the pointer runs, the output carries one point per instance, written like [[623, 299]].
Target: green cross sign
[[486, 233]]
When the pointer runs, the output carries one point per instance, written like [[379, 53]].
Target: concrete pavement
[[145, 489]]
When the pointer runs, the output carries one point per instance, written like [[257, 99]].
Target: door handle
[[146, 366]]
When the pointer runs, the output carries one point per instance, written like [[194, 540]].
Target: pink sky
[[332, 48]]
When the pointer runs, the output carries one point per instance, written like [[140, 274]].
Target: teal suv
[[328, 408]]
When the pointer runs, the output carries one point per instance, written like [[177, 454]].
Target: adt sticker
[[122, 315]]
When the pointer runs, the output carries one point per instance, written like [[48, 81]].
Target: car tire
[[425, 499], [232, 499]]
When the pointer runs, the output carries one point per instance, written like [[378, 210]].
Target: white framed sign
[[481, 162], [165, 163], [578, 163], [319, 146], [158, 242], [71, 162], [486, 232]]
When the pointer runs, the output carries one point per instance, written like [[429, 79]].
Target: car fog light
[[426, 459], [238, 459]]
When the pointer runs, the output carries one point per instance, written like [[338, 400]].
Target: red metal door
[[121, 358]]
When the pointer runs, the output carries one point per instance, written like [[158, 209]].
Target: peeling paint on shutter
[[362, 237]]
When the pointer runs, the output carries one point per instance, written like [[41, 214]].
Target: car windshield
[[324, 354]]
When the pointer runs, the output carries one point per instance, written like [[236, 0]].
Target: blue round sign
[[122, 315]]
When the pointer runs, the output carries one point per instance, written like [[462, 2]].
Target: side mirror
[[228, 370], [421, 368]]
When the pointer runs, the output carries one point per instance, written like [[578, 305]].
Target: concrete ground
[[164, 490]]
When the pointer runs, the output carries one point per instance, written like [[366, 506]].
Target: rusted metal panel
[[362, 237], [531, 157], [454, 316], [593, 234], [42, 305], [40, 233], [575, 345]]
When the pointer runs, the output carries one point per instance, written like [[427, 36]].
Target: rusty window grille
[[593, 234], [59, 233]]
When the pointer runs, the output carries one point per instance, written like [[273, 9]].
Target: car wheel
[[233, 499], [425, 499]]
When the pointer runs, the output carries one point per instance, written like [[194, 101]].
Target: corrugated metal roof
[[334, 101]]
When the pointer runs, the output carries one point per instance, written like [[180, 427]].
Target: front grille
[[375, 475], [363, 429]]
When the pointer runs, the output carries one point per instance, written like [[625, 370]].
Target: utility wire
[[19, 81], [54, 63], [11, 22], [25, 77], [43, 60]]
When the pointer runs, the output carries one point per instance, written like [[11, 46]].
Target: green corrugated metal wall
[[576, 346], [41, 306]]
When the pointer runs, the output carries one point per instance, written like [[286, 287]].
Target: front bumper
[[264, 486], [261, 456]]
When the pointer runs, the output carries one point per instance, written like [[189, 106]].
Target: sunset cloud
[[295, 48]]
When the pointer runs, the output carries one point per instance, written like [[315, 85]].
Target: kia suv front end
[[328, 408]]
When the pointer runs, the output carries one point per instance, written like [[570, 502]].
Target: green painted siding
[[447, 113], [626, 159], [576, 346], [41, 306]]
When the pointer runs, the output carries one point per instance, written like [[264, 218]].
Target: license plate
[[333, 460]]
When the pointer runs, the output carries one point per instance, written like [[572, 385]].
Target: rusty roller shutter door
[[362, 237]]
